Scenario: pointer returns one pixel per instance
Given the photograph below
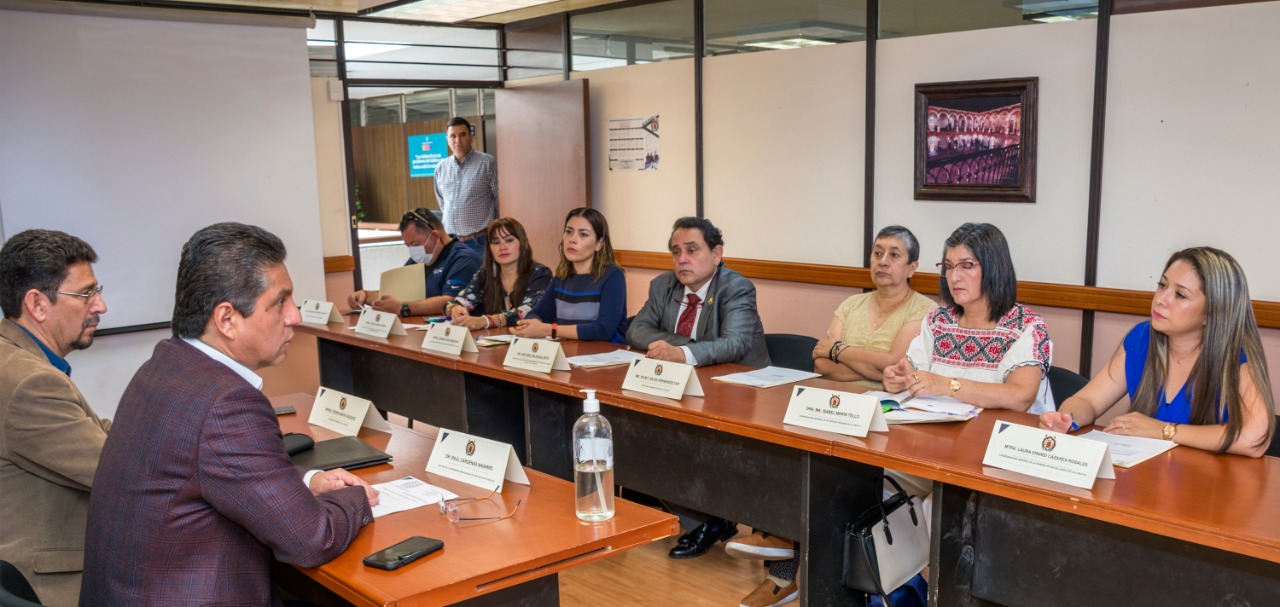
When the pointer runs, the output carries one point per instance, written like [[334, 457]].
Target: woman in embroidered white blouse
[[981, 347]]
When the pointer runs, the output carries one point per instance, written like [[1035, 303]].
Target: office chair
[[790, 351], [1064, 383], [14, 589]]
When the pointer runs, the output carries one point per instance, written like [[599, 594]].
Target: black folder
[[346, 452]]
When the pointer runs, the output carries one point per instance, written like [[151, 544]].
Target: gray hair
[[907, 238]]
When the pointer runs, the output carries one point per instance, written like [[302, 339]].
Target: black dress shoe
[[701, 540]]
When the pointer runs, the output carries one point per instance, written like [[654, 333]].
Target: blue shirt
[[58, 362], [597, 307], [467, 192], [1176, 411], [453, 271]]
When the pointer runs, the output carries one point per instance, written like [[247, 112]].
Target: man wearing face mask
[[449, 266]]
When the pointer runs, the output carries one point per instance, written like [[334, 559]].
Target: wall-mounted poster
[[976, 140], [425, 152], [633, 143]]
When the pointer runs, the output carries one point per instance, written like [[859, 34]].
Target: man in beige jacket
[[50, 439]]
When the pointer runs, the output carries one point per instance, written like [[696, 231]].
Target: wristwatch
[[404, 310], [1169, 431], [954, 384]]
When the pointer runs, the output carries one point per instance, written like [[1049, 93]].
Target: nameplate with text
[[539, 355], [1061, 458], [662, 378], [448, 339], [345, 414], [379, 324], [475, 461], [320, 312], [834, 411]]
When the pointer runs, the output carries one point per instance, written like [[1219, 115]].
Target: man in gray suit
[[701, 313], [50, 440]]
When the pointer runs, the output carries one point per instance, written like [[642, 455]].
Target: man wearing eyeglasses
[[50, 438], [449, 267]]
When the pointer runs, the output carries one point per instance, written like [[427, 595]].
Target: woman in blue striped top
[[587, 299]]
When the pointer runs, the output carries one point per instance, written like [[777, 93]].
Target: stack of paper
[[608, 359], [1129, 451], [767, 377], [925, 409]]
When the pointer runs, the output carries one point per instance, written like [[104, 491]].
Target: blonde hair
[[1213, 387]]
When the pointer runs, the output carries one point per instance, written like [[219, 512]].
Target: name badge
[[475, 461], [835, 411], [1049, 455], [662, 378], [539, 355], [320, 312], [345, 414], [379, 324], [448, 339]]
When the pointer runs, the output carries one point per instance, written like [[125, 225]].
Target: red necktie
[[685, 325]]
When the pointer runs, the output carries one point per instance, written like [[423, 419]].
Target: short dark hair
[[424, 218], [459, 121], [908, 239], [710, 233], [223, 262], [40, 260], [999, 280]]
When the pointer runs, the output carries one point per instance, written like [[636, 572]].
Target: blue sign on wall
[[425, 151]]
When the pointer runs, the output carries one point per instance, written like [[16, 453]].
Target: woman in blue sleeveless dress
[[1202, 347]]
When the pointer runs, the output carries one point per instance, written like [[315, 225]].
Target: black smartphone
[[285, 410], [403, 553]]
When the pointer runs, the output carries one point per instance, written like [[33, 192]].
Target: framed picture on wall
[[976, 140]]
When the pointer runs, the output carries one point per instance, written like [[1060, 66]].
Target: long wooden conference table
[[512, 562], [1184, 528]]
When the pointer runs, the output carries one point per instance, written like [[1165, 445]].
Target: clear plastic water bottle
[[593, 463]]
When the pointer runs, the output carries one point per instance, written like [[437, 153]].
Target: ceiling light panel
[[453, 11]]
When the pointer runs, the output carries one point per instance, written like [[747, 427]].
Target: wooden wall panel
[[1119, 301], [545, 168], [385, 169]]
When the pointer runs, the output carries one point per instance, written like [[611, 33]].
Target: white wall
[[783, 136], [1047, 238], [1191, 142], [133, 134], [331, 170], [641, 205]]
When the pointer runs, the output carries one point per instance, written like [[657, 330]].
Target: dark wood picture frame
[[976, 148]]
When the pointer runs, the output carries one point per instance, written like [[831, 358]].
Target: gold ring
[[915, 376]]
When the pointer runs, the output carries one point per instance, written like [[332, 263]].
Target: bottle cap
[[590, 404]]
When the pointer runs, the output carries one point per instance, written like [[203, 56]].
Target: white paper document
[[925, 409], [1129, 451], [607, 359], [406, 494], [767, 377]]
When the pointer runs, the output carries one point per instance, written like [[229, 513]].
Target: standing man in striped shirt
[[467, 187]]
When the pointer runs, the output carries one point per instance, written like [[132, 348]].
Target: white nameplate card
[[345, 414], [379, 324], [1049, 455], [449, 339], [538, 355], [662, 378], [320, 312], [475, 461], [835, 411]]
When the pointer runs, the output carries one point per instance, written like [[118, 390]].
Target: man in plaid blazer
[[194, 493]]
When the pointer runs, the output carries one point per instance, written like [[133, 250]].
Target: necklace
[[880, 314]]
